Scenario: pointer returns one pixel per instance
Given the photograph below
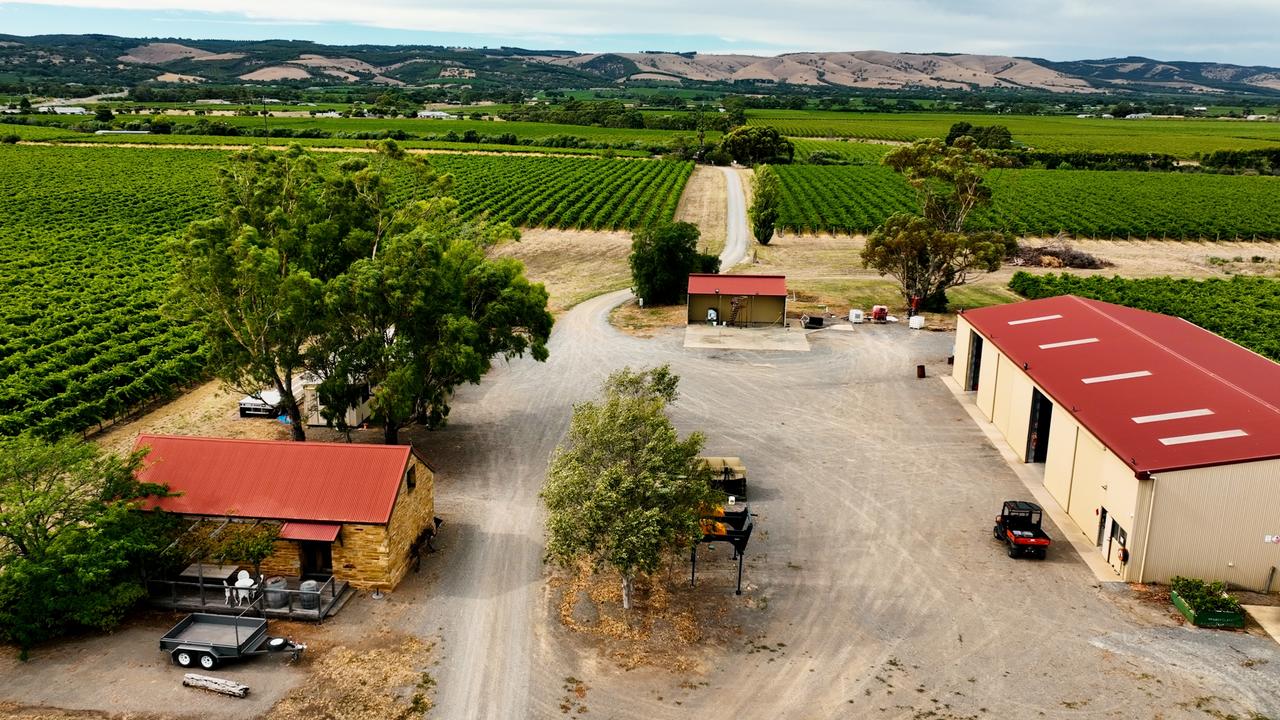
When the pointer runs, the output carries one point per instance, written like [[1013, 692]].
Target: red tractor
[[1019, 527]]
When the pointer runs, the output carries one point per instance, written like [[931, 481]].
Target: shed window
[[411, 478]]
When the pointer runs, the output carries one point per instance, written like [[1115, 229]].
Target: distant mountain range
[[105, 59]]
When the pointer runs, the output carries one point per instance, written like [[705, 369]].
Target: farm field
[[1245, 310], [231, 141], [539, 134], [852, 152], [1044, 202], [82, 233], [1181, 138]]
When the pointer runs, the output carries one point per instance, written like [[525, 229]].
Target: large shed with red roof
[[350, 511], [1160, 439], [738, 300]]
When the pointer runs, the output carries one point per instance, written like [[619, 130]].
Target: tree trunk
[[296, 429], [390, 434], [627, 583]]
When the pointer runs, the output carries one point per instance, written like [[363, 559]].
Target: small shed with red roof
[[1160, 439], [352, 511], [738, 300]]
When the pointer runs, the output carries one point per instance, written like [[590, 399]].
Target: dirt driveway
[[872, 578]]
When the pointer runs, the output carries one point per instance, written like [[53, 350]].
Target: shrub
[[1204, 597]]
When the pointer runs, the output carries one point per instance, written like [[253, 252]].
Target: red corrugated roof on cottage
[[320, 532], [1160, 392], [308, 482], [708, 284]]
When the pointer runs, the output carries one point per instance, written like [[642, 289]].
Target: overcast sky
[[1239, 31]]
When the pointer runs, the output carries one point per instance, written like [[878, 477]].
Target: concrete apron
[[1268, 616], [715, 337], [1034, 483]]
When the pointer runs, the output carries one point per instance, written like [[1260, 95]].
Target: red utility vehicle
[[1019, 527]]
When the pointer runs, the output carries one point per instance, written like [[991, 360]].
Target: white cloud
[[1058, 29]]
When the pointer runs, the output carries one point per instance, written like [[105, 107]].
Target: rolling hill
[[108, 59]]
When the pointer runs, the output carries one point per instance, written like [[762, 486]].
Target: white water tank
[[855, 316], [916, 322]]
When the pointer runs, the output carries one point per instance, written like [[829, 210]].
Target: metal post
[[739, 590], [693, 572]]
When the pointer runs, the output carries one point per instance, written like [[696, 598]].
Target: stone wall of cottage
[[377, 556], [285, 559]]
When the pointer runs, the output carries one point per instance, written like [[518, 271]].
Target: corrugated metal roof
[[304, 481], [320, 532], [771, 285], [1160, 392]]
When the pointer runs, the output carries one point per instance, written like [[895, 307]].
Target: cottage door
[[317, 559]]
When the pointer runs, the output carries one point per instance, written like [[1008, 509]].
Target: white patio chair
[[244, 586]]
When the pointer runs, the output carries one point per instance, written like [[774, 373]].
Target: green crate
[[1207, 619]]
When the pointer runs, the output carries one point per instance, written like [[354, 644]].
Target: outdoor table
[[212, 574]]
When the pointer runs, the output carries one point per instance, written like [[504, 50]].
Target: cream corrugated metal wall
[[960, 366], [1211, 523], [1060, 464]]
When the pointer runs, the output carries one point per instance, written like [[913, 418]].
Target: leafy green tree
[[24, 105], [766, 197], [662, 257], [949, 180], [623, 490], [989, 137], [103, 114], [426, 314], [931, 252], [72, 542], [253, 277], [753, 144]]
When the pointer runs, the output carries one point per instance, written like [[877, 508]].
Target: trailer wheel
[[184, 658], [207, 661]]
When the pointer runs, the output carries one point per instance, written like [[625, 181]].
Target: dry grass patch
[[703, 203], [632, 319], [389, 680], [574, 265], [670, 626]]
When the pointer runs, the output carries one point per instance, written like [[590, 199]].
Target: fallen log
[[218, 685]]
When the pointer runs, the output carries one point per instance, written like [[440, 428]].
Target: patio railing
[[288, 601]]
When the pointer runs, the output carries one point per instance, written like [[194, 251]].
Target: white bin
[[855, 317], [916, 322]]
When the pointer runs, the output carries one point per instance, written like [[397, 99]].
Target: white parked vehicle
[[266, 404]]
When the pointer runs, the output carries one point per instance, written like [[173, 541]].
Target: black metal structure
[[733, 527]]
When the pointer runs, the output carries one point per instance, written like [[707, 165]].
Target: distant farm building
[[457, 72], [1159, 439], [62, 109], [436, 115], [353, 512], [738, 300]]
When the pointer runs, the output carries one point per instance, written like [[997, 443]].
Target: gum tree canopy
[[314, 267], [932, 251]]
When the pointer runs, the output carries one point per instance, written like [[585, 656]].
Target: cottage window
[[411, 478]]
